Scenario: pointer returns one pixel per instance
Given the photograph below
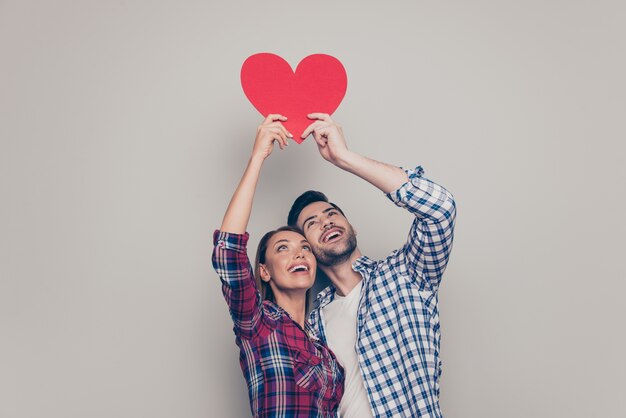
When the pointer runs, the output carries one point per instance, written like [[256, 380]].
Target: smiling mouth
[[332, 235], [299, 268]]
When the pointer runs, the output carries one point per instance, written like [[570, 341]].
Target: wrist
[[256, 160], [347, 161]]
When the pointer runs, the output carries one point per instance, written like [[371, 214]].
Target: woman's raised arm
[[238, 212]]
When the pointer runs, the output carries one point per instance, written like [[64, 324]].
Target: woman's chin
[[301, 286]]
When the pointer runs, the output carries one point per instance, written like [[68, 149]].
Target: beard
[[337, 254]]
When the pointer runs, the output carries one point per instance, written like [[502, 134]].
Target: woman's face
[[289, 263]]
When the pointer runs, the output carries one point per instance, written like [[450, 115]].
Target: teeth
[[298, 268], [332, 235]]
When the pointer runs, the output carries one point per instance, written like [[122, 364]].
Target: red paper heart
[[318, 85]]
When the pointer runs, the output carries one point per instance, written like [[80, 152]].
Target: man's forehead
[[314, 209]]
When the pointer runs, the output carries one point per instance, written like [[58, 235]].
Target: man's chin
[[335, 256], [336, 252]]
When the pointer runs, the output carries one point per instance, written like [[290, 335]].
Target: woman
[[288, 371]]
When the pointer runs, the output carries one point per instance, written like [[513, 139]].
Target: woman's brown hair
[[264, 287]]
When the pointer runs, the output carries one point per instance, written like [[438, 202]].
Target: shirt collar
[[273, 310], [327, 295], [278, 313], [363, 263], [310, 331]]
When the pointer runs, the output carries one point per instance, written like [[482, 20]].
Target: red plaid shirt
[[289, 372]]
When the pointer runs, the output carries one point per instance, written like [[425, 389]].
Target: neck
[[293, 303], [342, 276]]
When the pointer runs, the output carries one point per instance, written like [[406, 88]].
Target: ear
[[265, 274]]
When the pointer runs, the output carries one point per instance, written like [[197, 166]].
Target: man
[[380, 317]]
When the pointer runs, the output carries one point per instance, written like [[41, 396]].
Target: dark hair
[[264, 287], [304, 200]]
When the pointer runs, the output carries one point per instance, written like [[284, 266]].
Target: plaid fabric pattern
[[289, 373], [398, 335]]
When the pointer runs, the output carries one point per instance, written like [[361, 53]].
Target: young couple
[[371, 347]]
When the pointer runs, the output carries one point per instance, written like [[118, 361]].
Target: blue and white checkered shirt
[[398, 335]]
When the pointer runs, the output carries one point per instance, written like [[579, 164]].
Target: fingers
[[280, 143], [270, 134], [320, 116], [279, 134], [320, 139], [276, 138], [272, 117], [274, 120], [281, 127], [272, 130], [312, 127]]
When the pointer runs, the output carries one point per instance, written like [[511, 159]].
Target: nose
[[327, 223]]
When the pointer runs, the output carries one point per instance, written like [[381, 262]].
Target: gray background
[[124, 132]]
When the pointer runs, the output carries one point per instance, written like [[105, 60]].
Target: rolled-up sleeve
[[429, 242], [231, 262]]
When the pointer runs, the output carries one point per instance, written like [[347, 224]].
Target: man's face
[[331, 236]]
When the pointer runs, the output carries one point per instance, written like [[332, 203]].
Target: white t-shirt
[[340, 323]]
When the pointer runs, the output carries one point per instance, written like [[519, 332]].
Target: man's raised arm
[[332, 146], [429, 243]]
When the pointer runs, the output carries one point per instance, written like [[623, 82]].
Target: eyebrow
[[315, 216], [286, 240]]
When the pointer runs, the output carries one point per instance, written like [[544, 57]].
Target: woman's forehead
[[289, 236]]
